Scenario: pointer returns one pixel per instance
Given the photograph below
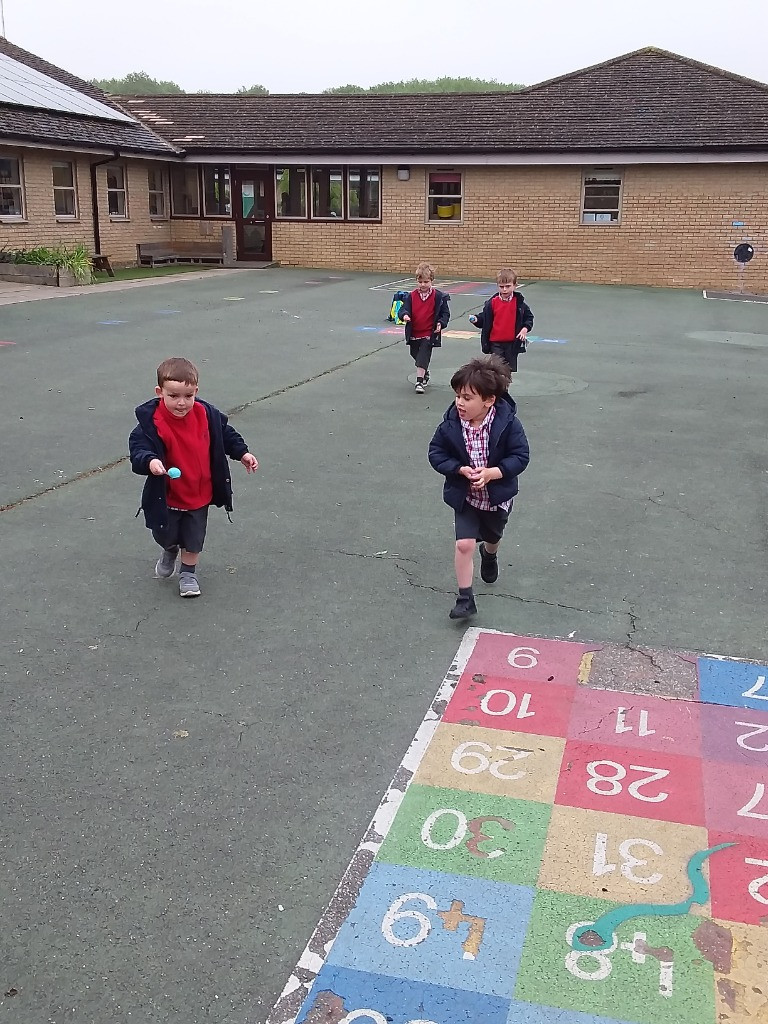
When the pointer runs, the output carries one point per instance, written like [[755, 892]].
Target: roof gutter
[[95, 197]]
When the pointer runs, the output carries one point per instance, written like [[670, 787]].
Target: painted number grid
[[568, 855]]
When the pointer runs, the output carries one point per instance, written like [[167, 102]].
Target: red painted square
[[736, 798], [497, 703], [527, 659], [643, 784], [632, 720], [734, 734], [739, 888]]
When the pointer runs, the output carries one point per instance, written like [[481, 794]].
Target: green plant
[[75, 258]]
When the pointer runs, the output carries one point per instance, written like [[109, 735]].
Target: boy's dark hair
[[487, 376], [177, 368]]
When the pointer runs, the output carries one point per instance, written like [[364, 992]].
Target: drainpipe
[[95, 197]]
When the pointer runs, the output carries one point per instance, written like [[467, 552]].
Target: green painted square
[[627, 981], [453, 831]]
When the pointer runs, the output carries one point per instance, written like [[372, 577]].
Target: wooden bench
[[153, 254], [100, 261]]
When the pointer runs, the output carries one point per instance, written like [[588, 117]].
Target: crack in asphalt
[[86, 473]]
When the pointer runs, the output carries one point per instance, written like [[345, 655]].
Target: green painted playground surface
[[185, 786]]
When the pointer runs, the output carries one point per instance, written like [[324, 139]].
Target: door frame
[[265, 173]]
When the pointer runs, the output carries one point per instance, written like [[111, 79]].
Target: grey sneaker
[[166, 563], [188, 585]]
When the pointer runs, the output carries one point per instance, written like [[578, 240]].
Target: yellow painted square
[[741, 975], [515, 764], [620, 858]]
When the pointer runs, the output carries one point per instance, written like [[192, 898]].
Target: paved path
[[183, 783]]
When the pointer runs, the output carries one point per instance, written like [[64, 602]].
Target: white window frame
[[362, 169], [226, 176], [610, 175], [121, 191], [279, 215], [66, 188], [157, 193], [19, 185], [434, 196], [331, 169]]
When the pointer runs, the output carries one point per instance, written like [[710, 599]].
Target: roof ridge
[[656, 51]]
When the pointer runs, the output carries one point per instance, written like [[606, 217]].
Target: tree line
[[140, 83]]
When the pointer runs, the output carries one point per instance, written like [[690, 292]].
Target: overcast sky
[[308, 45]]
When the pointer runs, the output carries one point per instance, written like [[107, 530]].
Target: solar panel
[[25, 87]]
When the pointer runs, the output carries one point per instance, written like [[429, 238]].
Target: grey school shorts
[[185, 530]]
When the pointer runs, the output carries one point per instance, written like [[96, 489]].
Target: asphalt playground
[[185, 782]]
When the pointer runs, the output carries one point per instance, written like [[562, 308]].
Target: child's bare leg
[[464, 562], [189, 558], [491, 548]]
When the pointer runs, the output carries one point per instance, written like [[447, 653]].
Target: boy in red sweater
[[177, 429], [505, 321], [425, 314]]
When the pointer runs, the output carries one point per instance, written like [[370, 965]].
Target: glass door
[[254, 209]]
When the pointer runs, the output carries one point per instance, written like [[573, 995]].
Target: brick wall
[[41, 226], [676, 228]]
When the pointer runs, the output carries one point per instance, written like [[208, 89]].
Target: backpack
[[394, 309]]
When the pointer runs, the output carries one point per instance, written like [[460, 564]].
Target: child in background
[[179, 429], [505, 320], [481, 449], [425, 313]]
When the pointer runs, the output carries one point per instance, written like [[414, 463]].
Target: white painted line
[[311, 961]]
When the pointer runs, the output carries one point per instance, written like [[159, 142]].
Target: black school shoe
[[464, 608], [489, 566]]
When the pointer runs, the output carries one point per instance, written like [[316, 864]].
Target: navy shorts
[[478, 524], [185, 530], [509, 351]]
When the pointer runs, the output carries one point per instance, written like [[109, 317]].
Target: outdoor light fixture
[[403, 173]]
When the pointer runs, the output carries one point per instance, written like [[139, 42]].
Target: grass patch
[[144, 273]]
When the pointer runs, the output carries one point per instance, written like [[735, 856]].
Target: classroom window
[[364, 193], [217, 192], [185, 192], [601, 196], [444, 199], [156, 187], [291, 192], [64, 189], [11, 188], [117, 191], [327, 193]]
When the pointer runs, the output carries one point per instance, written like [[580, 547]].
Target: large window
[[64, 189], [156, 186], [291, 192], [217, 194], [444, 198], [364, 193], [601, 196], [11, 188], [117, 191], [327, 193], [185, 191]]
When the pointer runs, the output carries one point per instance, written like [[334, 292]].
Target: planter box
[[30, 273]]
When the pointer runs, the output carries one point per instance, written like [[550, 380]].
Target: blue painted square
[[397, 1001], [530, 1013], [407, 938], [739, 684]]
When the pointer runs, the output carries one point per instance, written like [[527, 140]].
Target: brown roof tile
[[643, 101], [31, 124]]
